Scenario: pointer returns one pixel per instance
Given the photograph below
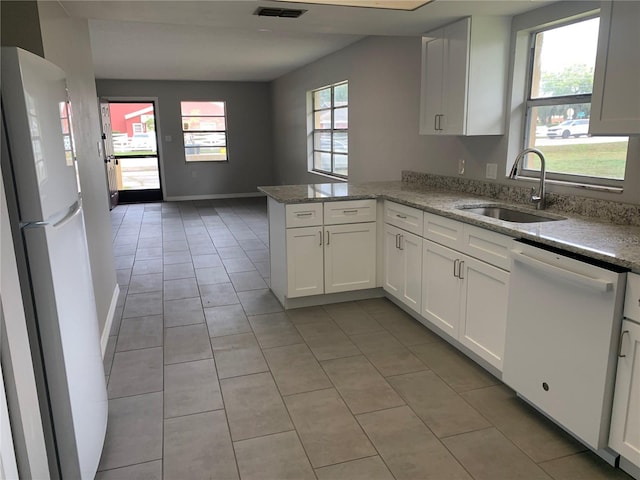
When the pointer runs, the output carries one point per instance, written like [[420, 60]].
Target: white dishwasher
[[563, 323]]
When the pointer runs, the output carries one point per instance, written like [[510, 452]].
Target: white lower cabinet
[[467, 299], [331, 259], [349, 257], [441, 287], [484, 310], [624, 435], [305, 261], [403, 266]]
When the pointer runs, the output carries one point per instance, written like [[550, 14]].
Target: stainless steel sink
[[509, 214]]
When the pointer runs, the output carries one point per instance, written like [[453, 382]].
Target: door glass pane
[[340, 118], [565, 59], [138, 173]]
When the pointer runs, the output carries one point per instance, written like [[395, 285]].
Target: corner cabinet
[[464, 77], [321, 248], [403, 254], [615, 104]]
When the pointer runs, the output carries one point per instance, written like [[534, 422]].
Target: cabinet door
[[484, 310], [393, 262], [441, 287], [304, 262], [625, 421], [456, 67], [411, 249], [615, 106], [350, 257], [432, 82]]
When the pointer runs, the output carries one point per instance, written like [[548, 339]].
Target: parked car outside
[[569, 128]]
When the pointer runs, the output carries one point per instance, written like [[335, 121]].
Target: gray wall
[[66, 43], [384, 93], [249, 130], [384, 110], [24, 33]]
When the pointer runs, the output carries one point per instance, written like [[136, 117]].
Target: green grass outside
[[605, 160]]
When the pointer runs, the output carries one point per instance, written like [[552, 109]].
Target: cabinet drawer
[[350, 211], [304, 215], [632, 298], [486, 245], [407, 218], [443, 230]]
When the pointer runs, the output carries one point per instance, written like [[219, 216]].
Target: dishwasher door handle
[[594, 283]]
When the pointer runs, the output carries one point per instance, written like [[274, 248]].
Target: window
[[204, 128], [330, 130], [559, 106]]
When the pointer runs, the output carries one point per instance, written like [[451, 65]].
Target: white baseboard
[[104, 338], [215, 196]]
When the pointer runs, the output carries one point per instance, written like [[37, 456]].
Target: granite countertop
[[609, 242]]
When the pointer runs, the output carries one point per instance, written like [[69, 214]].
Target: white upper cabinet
[[615, 102], [464, 77]]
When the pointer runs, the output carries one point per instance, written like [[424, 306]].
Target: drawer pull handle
[[350, 212], [460, 267], [328, 237], [455, 267], [397, 240], [403, 217], [304, 214], [320, 235], [401, 242], [620, 355]]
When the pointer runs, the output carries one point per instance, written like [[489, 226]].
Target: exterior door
[[110, 161], [134, 144]]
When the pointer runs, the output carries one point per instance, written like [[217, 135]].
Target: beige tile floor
[[208, 378]]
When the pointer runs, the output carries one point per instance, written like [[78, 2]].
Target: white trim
[[214, 196], [104, 338]]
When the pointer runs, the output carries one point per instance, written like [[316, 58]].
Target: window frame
[[529, 104], [332, 131], [200, 115]]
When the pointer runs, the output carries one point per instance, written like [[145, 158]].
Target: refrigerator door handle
[[74, 210]]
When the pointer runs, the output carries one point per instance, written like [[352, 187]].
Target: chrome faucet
[[539, 198]]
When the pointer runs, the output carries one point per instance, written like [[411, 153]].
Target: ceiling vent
[[278, 12]]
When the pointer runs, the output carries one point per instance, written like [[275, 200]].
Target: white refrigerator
[[35, 109]]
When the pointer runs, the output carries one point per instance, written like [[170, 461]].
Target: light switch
[[492, 170]]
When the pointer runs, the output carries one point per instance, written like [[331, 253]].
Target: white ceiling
[[223, 40]]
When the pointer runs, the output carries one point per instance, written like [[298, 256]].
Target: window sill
[[577, 185], [332, 177]]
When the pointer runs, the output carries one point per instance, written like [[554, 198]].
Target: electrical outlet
[[461, 166], [492, 170]]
